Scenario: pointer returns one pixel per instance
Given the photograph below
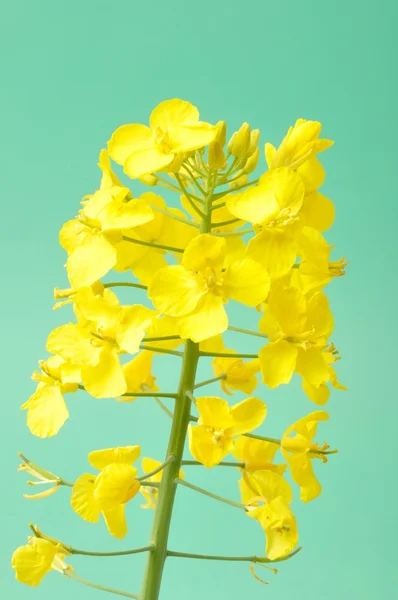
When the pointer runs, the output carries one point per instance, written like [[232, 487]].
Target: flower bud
[[216, 158], [221, 134], [148, 180], [239, 143], [242, 180], [252, 161], [254, 139]]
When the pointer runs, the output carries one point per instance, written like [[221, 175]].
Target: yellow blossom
[[267, 497], [33, 561], [105, 329], [90, 239], [195, 290], [258, 455], [107, 493], [299, 450], [219, 424], [138, 375], [300, 143], [46, 408], [298, 328], [174, 130]]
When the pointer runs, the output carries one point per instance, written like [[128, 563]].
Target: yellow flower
[[144, 261], [257, 454], [195, 290], [174, 130], [273, 207], [107, 493], [213, 437], [238, 375], [298, 327], [267, 497], [300, 143], [299, 449], [138, 375], [151, 494], [105, 329], [33, 561], [46, 408], [42, 477]]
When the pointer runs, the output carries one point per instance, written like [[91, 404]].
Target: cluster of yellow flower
[[258, 243]]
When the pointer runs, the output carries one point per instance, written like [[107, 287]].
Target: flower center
[[162, 140]]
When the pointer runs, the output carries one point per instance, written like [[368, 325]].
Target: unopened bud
[[221, 134], [216, 158], [254, 139], [149, 180], [239, 143], [242, 180], [252, 161]]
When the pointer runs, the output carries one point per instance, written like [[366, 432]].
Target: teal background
[[74, 71]]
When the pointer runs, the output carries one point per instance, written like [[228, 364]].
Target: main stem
[[167, 489]]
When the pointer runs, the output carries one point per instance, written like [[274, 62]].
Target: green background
[[74, 71]]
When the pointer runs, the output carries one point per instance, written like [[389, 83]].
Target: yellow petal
[[311, 365], [318, 211], [191, 137], [116, 484], [33, 561], [173, 113], [246, 281], [256, 454], [115, 521], [278, 361], [303, 474], [147, 161], [313, 175], [280, 527], [204, 252], [72, 234], [128, 139], [90, 261], [73, 343], [138, 375], [267, 485], [124, 215], [287, 188], [131, 328], [274, 249], [312, 247], [248, 415], [175, 291], [106, 378], [83, 501], [203, 448], [256, 205], [214, 412], [125, 454], [307, 426], [208, 319], [319, 315], [288, 305], [319, 395], [47, 411]]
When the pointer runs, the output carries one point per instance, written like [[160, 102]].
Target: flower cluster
[[258, 243]]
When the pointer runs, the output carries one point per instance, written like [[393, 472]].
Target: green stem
[[262, 438], [228, 355], [149, 395], [194, 180], [226, 463], [200, 490], [240, 187], [233, 233], [189, 197], [161, 338], [149, 548], [222, 223], [247, 331], [167, 488], [253, 559], [169, 460], [124, 284], [161, 350], [171, 215], [153, 484], [208, 381], [101, 587], [152, 245]]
